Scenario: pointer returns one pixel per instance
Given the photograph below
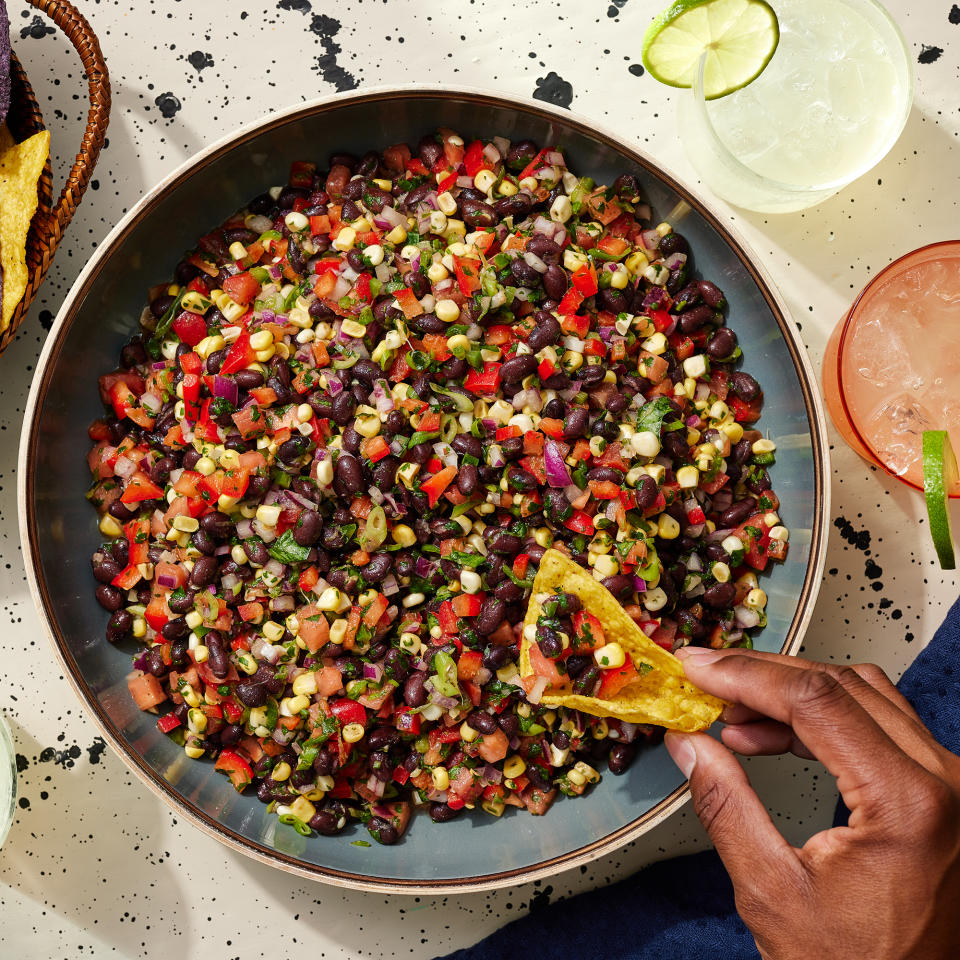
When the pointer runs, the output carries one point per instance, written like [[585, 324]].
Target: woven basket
[[25, 119]]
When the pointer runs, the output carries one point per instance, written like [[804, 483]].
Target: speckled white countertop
[[95, 865]]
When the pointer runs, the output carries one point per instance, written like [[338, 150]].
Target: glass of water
[[830, 104], [8, 780]]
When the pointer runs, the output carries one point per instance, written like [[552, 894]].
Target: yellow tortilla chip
[[20, 168], [661, 696]]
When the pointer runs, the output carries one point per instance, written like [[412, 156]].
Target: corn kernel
[[576, 777], [695, 366], [269, 514], [441, 779], [656, 344], [338, 631], [543, 537], [756, 599], [273, 631], [237, 554], [733, 431], [779, 532], [620, 278], [688, 477], [470, 581], [193, 752], [663, 229], [561, 210], [404, 535], [297, 703], [109, 526], [410, 642], [281, 772], [367, 424], [447, 310], [447, 203], [458, 344], [484, 180], [345, 239], [302, 809], [139, 627], [396, 235], [721, 572], [247, 663], [196, 721], [467, 733], [589, 774], [637, 262], [732, 544], [206, 466], [655, 599], [572, 260], [193, 620], [610, 656], [329, 600], [606, 565], [748, 580], [645, 444], [186, 524], [763, 445], [514, 766], [412, 599], [406, 474]]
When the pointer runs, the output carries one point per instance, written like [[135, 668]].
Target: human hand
[[886, 887]]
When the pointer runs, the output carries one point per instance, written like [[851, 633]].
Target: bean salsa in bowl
[[274, 519], [351, 423]]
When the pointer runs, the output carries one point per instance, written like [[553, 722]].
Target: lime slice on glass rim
[[738, 38], [939, 475]]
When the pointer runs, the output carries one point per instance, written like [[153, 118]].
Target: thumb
[[749, 844]]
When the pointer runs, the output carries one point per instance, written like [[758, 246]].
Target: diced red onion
[[702, 391], [465, 182], [611, 511], [151, 403], [392, 216], [574, 343], [274, 567], [734, 636], [283, 736], [536, 693], [746, 617], [528, 398], [348, 273], [651, 239], [544, 173], [340, 289], [124, 467], [545, 226], [300, 500], [334, 386], [222, 550], [227, 388], [695, 583], [639, 584], [694, 563], [675, 260], [502, 145], [283, 604], [424, 567], [489, 423], [491, 152], [491, 774], [555, 158], [483, 675], [495, 457], [572, 492], [448, 703], [375, 494], [373, 671], [381, 397], [165, 580], [694, 530], [570, 392], [444, 285], [719, 536], [244, 528], [390, 586]]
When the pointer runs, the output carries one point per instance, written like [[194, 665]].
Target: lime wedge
[[738, 37], [939, 475]]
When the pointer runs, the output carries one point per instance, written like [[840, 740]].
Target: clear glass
[[8, 780], [828, 107], [892, 366]]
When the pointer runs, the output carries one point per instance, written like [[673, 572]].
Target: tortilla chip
[[661, 696], [20, 168], [4, 61]]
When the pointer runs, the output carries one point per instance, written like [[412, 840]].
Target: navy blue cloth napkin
[[683, 909]]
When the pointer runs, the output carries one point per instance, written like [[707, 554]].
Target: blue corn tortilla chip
[[4, 61]]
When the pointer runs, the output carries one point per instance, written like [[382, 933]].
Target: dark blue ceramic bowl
[[60, 532]]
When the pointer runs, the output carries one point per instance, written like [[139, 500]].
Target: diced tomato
[[744, 411], [319, 225], [498, 335], [191, 363], [486, 381], [407, 722], [239, 771], [662, 320], [468, 274], [242, 288], [712, 486], [613, 681], [190, 327], [755, 536], [587, 631], [157, 612], [696, 515], [447, 618], [397, 157], [137, 532], [374, 448], [436, 345], [474, 160], [614, 247], [329, 681], [604, 489], [544, 667], [376, 610], [314, 628], [467, 604], [408, 302], [308, 579], [452, 146], [438, 483], [533, 442], [594, 347], [140, 487], [443, 735], [349, 711], [146, 690], [585, 280], [251, 612], [520, 565], [469, 663], [551, 427]]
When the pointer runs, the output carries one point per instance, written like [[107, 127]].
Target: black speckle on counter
[[199, 60], [554, 89], [62, 758], [168, 104], [302, 6], [636, 69], [95, 750], [873, 570], [326, 28], [22, 763], [954, 15], [24, 803], [856, 538], [38, 28], [46, 319], [929, 54]]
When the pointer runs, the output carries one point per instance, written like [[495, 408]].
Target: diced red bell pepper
[[746, 411], [239, 771], [128, 577], [137, 532], [447, 182], [474, 160], [467, 604], [362, 288], [594, 347], [190, 327], [191, 363], [613, 681], [696, 515], [438, 483], [507, 433], [408, 302], [436, 345], [585, 280], [240, 356], [580, 522], [242, 288], [535, 164], [232, 711], [375, 448], [571, 303], [349, 711], [587, 631], [486, 381], [469, 663], [520, 565], [167, 723], [157, 612], [234, 482], [574, 323], [662, 320], [400, 775], [443, 735], [604, 489]]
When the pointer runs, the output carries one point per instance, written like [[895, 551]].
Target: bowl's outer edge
[[597, 848]]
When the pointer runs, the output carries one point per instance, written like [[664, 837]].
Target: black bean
[[119, 626], [620, 757], [251, 693], [442, 813], [341, 408], [576, 423], [382, 831], [758, 480], [695, 318], [538, 777], [203, 542], [587, 680], [509, 723], [601, 474], [490, 616], [429, 150], [549, 641], [520, 154], [105, 569], [203, 572], [256, 552], [175, 629], [110, 598], [367, 371], [329, 822], [719, 595], [478, 214], [712, 294], [545, 249], [616, 301], [515, 369], [736, 513], [378, 568], [744, 386], [467, 479], [308, 527], [524, 274], [349, 472], [674, 243], [520, 479], [248, 379], [482, 721], [620, 585], [507, 591], [499, 541], [741, 452], [181, 603], [512, 447], [463, 443], [120, 512], [413, 693], [722, 344], [325, 763]]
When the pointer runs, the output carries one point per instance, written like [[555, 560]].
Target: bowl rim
[[29, 440]]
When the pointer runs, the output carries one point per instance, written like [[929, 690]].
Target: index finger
[[868, 765]]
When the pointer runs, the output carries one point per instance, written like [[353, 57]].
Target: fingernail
[[681, 749], [699, 655]]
